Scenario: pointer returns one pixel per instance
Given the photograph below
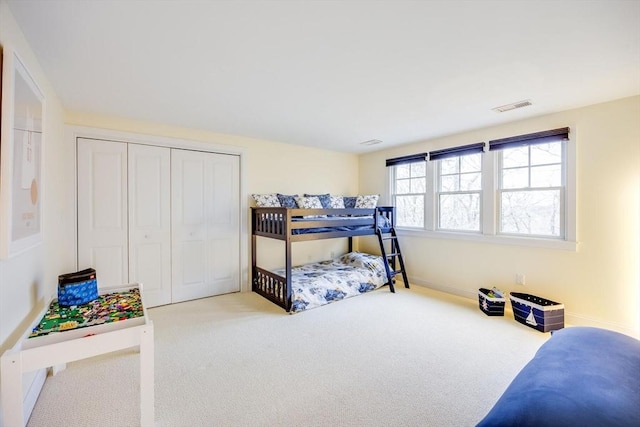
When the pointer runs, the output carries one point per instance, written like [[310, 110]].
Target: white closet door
[[150, 222], [205, 224], [102, 210], [224, 223]]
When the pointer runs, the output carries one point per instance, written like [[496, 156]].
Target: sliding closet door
[[205, 224], [224, 223], [150, 221], [167, 218], [102, 210]]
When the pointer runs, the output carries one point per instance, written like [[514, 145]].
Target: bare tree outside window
[[532, 190], [459, 193], [521, 190], [410, 186]]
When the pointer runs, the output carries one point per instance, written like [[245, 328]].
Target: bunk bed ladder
[[390, 257]]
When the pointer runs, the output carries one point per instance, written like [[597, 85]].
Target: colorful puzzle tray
[[108, 308]]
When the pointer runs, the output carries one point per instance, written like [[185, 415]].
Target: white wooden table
[[55, 349]]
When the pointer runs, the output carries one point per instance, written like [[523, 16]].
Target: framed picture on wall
[[20, 157]]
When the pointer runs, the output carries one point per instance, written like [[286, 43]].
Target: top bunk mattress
[[280, 222], [328, 227]]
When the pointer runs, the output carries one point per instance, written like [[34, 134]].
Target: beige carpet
[[414, 358]]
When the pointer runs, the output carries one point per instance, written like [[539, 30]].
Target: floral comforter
[[324, 282]]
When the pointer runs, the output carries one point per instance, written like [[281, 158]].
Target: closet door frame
[[72, 133]]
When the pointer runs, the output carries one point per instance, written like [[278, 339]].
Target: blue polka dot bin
[[77, 288]]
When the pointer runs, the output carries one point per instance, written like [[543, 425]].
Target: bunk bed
[[292, 225]]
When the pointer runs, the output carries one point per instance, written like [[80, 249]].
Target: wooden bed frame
[[282, 223]]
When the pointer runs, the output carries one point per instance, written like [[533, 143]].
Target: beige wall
[[29, 277], [599, 283]]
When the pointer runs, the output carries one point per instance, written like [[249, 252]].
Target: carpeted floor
[[414, 358]]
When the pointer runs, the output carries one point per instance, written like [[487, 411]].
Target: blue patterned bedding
[[382, 222], [320, 283]]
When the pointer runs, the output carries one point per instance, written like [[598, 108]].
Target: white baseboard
[[573, 319], [443, 288]]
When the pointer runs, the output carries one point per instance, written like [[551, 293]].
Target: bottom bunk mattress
[[320, 283]]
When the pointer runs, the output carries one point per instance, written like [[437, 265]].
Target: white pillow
[[367, 202], [308, 202], [363, 261], [337, 202], [266, 200]]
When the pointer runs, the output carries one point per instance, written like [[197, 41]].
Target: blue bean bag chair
[[580, 377]]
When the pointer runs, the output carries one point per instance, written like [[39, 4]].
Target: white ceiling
[[333, 74]]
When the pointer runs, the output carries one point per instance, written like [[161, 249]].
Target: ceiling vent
[[371, 142], [513, 106]]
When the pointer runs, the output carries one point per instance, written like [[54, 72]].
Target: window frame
[[393, 194], [439, 192], [490, 208], [562, 190]]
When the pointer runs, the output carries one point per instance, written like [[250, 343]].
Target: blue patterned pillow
[[287, 201], [325, 199], [350, 202], [266, 200]]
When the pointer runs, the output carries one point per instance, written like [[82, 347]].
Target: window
[[459, 193], [522, 187], [409, 187], [459, 187], [531, 188]]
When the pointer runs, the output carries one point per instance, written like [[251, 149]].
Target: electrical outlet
[[520, 279]]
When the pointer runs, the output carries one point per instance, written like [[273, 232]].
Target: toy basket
[[491, 306], [538, 313], [77, 288]]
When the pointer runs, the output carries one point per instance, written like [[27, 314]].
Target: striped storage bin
[[491, 306], [537, 313]]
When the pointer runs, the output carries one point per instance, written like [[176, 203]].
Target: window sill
[[492, 239]]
